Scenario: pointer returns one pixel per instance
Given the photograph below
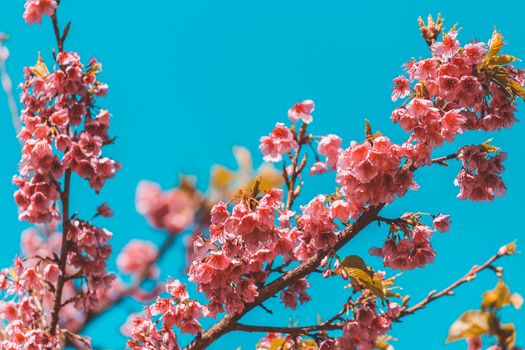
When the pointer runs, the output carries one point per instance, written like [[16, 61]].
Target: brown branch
[[296, 169], [65, 246], [64, 250], [287, 330], [443, 160], [448, 291], [228, 323], [56, 29]]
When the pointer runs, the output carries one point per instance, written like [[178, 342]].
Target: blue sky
[[190, 79]]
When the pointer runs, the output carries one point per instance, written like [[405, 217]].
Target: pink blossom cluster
[[413, 250], [362, 331], [231, 266], [177, 310], [480, 176], [89, 253], [36, 9], [60, 133], [280, 141], [316, 228], [136, 256], [41, 272], [372, 172], [171, 210], [302, 111], [39, 247], [22, 320], [241, 243], [453, 91], [330, 147], [295, 293]]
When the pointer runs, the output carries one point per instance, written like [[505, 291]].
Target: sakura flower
[[475, 52], [36, 9], [442, 223], [302, 111], [401, 88], [330, 146], [104, 210], [480, 177], [371, 172], [409, 252], [318, 168], [447, 48], [280, 141], [136, 255]]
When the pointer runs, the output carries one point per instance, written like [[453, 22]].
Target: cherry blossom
[[302, 111], [36, 9], [280, 141]]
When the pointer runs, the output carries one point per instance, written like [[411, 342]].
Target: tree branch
[[287, 330], [448, 291], [64, 250], [229, 322]]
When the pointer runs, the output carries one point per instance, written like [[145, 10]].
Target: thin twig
[[471, 275]]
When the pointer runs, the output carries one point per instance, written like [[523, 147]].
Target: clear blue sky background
[[190, 79]]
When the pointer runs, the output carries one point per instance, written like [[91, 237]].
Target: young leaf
[[354, 261], [363, 275], [502, 59], [40, 68], [221, 177], [471, 324], [508, 249], [518, 90], [495, 43], [500, 296], [368, 131]]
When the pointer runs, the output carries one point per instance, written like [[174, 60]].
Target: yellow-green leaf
[[354, 261], [487, 147], [502, 59], [495, 45], [508, 249], [368, 131], [221, 177], [499, 297], [383, 342], [270, 177], [363, 275], [40, 68], [518, 89], [471, 324]]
